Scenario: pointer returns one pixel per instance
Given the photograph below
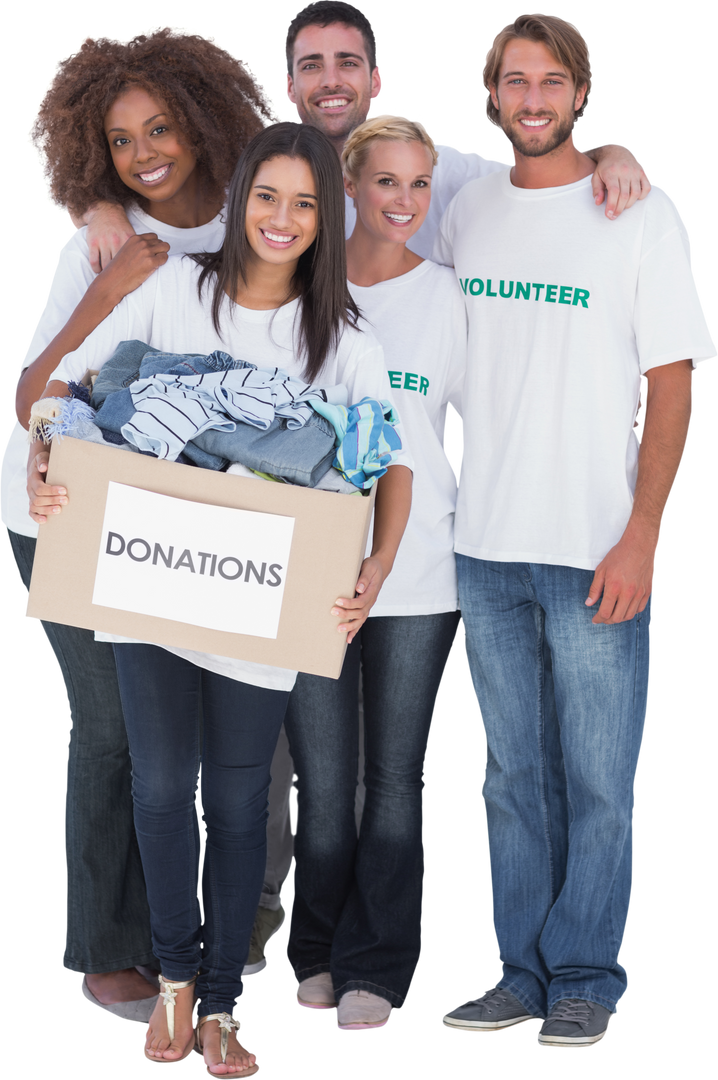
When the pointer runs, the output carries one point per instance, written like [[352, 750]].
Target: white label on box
[[209, 566]]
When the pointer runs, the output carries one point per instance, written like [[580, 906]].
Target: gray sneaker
[[573, 1022], [267, 926], [496, 1009]]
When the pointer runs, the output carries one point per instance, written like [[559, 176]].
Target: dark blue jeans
[[108, 920], [161, 696], [357, 899]]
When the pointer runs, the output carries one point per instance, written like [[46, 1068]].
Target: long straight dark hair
[[320, 280]]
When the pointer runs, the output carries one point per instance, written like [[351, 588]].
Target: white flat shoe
[[359, 1009], [317, 992]]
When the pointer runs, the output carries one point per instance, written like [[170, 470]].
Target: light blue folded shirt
[[368, 442]]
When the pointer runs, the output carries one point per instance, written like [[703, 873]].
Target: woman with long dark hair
[[275, 293]]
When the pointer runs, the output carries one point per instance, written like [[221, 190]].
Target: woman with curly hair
[[156, 125]]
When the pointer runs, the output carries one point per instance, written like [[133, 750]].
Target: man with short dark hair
[[558, 510]]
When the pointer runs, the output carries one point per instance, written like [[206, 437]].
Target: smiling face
[[536, 97], [282, 210], [393, 190], [146, 146], [331, 83]]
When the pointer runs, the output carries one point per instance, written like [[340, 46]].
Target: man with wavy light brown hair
[[561, 39], [559, 509]]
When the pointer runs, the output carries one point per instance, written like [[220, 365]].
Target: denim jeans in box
[[300, 455]]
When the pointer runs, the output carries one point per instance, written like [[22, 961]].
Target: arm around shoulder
[[108, 227]]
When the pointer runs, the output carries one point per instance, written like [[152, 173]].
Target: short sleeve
[[457, 366], [457, 169], [443, 252], [131, 319], [72, 278], [668, 319]]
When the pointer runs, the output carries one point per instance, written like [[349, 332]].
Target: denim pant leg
[[322, 727], [378, 939], [601, 682], [108, 923], [161, 696], [541, 670], [280, 841]]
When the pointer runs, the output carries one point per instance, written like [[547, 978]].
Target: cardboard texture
[[328, 545]]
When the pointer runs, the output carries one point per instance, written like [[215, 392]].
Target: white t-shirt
[[419, 319], [566, 310], [451, 172], [166, 313], [74, 275], [72, 278]]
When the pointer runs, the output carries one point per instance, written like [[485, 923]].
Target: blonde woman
[[355, 933]]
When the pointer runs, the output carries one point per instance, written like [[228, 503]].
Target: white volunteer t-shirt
[[166, 313], [452, 171], [72, 278], [566, 310], [420, 321]]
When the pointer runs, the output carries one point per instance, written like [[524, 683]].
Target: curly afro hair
[[211, 96]]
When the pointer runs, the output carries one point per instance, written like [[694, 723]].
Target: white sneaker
[[359, 1009], [317, 992]]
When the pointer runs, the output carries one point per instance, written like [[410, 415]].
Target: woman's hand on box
[[45, 499], [355, 612], [393, 502]]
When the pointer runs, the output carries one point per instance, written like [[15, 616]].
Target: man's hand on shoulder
[[618, 178], [107, 230]]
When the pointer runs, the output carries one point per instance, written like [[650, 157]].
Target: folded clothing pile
[[213, 411]]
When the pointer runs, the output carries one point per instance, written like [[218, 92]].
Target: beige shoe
[[227, 1023], [317, 992], [361, 1011], [168, 993]]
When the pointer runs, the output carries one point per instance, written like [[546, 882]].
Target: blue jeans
[[133, 360], [357, 899], [161, 696], [301, 456], [563, 703], [108, 919]]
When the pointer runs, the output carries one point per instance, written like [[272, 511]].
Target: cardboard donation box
[[183, 556]]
